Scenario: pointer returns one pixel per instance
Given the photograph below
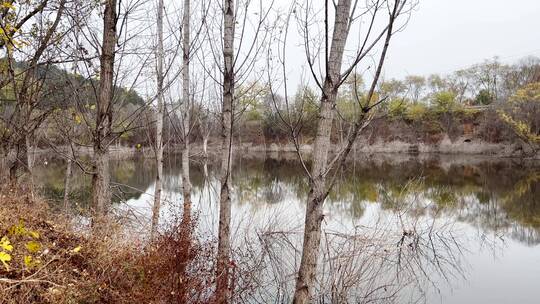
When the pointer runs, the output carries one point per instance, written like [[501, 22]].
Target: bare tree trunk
[[4, 172], [159, 123], [205, 145], [205, 170], [101, 175], [29, 163], [70, 152], [13, 175], [224, 234], [100, 180], [321, 147], [186, 182], [341, 131], [14, 166], [67, 177], [185, 226]]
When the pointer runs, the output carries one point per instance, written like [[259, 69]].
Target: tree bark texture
[[321, 147], [159, 123], [224, 233], [101, 175], [186, 121]]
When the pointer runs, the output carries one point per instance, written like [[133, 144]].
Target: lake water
[[487, 210]]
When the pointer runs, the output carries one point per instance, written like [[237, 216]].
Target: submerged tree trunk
[[321, 148], [159, 123], [224, 234], [101, 175]]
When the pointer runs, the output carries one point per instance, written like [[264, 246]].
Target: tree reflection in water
[[390, 222]]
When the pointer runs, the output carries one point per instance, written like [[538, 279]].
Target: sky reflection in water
[[494, 204]]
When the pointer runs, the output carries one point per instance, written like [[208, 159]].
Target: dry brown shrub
[[97, 265]]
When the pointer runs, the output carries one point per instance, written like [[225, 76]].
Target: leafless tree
[[104, 82], [159, 119], [323, 172], [101, 175], [188, 107], [224, 233], [27, 83], [235, 58]]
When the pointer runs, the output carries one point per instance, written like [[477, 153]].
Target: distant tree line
[[432, 105]]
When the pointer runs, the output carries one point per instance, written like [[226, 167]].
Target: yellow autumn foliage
[[528, 93], [518, 116], [521, 128], [19, 233]]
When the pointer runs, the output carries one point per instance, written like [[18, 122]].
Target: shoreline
[[459, 147]]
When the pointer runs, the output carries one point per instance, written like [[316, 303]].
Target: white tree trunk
[[29, 163], [205, 144], [205, 170], [67, 178], [321, 148], [159, 123], [186, 182], [224, 233]]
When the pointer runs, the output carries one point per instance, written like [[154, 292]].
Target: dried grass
[[83, 267]]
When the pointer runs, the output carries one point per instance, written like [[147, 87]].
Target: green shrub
[[417, 112], [397, 108], [444, 102], [484, 97]]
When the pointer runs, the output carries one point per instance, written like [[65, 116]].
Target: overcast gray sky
[[442, 36], [445, 35]]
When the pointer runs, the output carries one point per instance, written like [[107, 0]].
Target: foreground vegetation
[[47, 257]]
